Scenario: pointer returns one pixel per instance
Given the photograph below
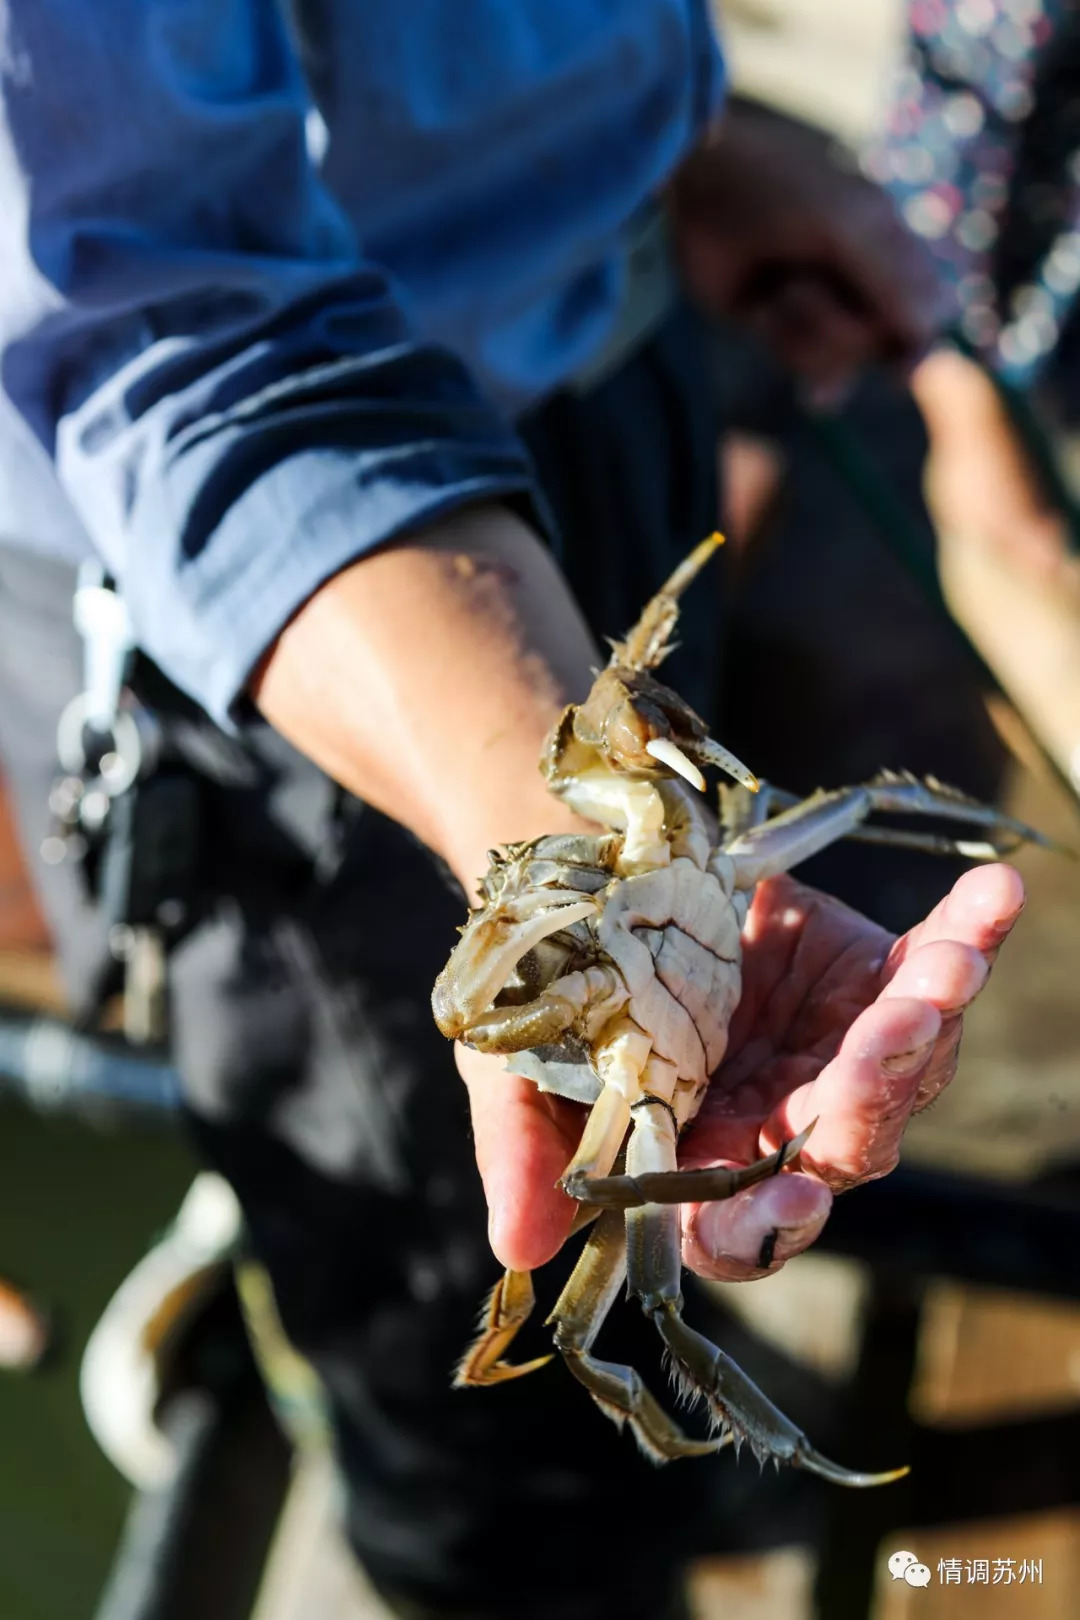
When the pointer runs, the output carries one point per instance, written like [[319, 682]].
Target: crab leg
[[654, 1274], [672, 1186], [578, 1316], [823, 818], [740, 810], [971, 849], [506, 1310], [621, 1060], [649, 642]]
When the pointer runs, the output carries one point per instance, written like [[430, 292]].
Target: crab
[[607, 966]]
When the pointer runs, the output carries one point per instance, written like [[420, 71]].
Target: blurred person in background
[[980, 147], [982, 156], [378, 419]]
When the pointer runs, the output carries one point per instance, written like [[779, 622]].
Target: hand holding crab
[[842, 1024], [611, 965]]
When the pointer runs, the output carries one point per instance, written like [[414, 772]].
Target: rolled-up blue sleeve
[[233, 397]]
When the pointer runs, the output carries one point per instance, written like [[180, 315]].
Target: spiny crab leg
[[807, 827], [654, 1270], [618, 1390], [739, 1407], [970, 849]]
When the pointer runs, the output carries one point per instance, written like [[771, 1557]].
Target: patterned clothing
[[983, 157]]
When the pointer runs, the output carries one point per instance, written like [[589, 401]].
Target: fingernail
[[793, 1240], [1005, 923], [978, 971], [910, 1062], [781, 1242]]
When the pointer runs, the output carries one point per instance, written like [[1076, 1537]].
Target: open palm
[[843, 1024], [839, 1023]]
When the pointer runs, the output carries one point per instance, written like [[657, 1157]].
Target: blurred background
[[940, 1315]]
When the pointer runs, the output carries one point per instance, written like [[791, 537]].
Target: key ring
[[119, 765]]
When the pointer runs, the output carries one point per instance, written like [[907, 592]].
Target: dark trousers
[[317, 1082]]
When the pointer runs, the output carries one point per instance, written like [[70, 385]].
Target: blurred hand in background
[[776, 227]]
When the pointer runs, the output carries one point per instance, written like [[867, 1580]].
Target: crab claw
[[490, 948], [632, 724], [710, 752], [670, 754]]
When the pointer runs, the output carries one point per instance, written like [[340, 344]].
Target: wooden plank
[[29, 979], [986, 1355], [772, 1586], [811, 1310]]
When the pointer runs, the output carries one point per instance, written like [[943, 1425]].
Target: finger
[[980, 910], [757, 1230], [524, 1140], [961, 404], [944, 972], [863, 1098], [950, 976]]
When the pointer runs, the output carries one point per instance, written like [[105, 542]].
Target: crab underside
[[608, 967]]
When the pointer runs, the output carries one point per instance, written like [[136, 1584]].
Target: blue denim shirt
[[247, 370]]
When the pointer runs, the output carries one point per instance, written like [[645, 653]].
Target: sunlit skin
[[978, 480]]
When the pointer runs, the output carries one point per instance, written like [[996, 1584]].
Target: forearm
[[425, 677]]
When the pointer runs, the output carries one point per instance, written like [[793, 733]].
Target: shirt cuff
[[300, 523]]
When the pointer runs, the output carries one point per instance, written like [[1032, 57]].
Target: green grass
[[78, 1205]]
